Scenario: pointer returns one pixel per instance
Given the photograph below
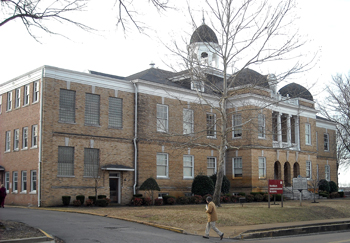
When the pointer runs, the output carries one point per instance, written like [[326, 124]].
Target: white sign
[[299, 183]]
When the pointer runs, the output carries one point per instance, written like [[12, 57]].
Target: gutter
[[40, 137], [135, 137]]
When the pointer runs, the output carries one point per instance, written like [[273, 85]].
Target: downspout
[[40, 137], [135, 138]]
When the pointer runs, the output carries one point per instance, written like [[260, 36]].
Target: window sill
[[23, 192], [15, 150], [92, 125], [66, 122], [35, 102], [187, 178], [262, 178], [25, 148], [66, 176], [211, 137], [117, 128], [237, 178], [25, 105], [262, 138], [34, 147], [163, 178], [237, 137], [32, 192], [7, 151], [14, 192]]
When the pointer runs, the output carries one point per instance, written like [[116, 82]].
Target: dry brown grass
[[192, 218]]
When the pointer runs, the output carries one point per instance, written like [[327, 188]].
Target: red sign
[[275, 187]]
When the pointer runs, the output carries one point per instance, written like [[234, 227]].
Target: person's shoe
[[206, 237], [221, 236]]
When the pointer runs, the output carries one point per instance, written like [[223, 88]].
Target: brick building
[[65, 132]]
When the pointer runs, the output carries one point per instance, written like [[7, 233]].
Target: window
[[34, 135], [7, 181], [0, 103], [35, 91], [115, 112], [188, 123], [211, 125], [236, 126], [162, 165], [237, 167], [262, 167], [65, 161], [326, 142], [261, 126], [26, 95], [24, 181], [15, 181], [308, 169], [327, 173], [188, 168], [211, 166], [33, 180], [67, 106], [91, 162], [92, 109], [307, 134], [25, 138], [7, 141], [16, 139], [162, 118], [9, 101], [17, 98], [197, 85]]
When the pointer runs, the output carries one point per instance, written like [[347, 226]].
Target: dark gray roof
[[204, 34], [2, 168], [249, 77], [323, 118], [106, 75], [296, 91]]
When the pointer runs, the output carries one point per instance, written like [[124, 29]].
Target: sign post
[[276, 187], [300, 184]]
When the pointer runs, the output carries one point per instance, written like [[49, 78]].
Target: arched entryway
[[277, 170], [287, 175], [296, 170]]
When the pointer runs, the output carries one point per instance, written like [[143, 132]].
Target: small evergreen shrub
[[171, 201], [323, 194], [182, 200], [323, 185], [158, 201], [266, 197], [81, 198], [341, 194], [76, 203], [93, 198], [234, 198], [89, 202], [225, 186], [101, 202], [241, 194], [258, 197], [191, 200], [202, 185], [165, 199], [65, 200], [147, 201], [101, 196], [198, 199], [333, 187], [334, 195], [249, 198], [137, 201], [226, 198], [138, 195]]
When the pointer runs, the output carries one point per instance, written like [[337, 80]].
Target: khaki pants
[[212, 225]]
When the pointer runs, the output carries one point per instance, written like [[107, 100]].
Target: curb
[[47, 239]]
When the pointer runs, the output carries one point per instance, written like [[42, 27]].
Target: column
[[297, 132], [289, 131], [279, 129]]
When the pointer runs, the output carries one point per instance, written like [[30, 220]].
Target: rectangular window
[[261, 126], [9, 101], [211, 125], [162, 165], [17, 98], [326, 142], [236, 126], [7, 181], [35, 91], [7, 141], [115, 112], [67, 106], [91, 162], [65, 161], [26, 95], [307, 134], [25, 138], [162, 118], [16, 139], [237, 167], [262, 167], [92, 110], [15, 181], [211, 166], [33, 180], [34, 135], [308, 169], [327, 173], [197, 85], [188, 168], [188, 121], [24, 181]]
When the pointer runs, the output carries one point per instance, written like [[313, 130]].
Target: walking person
[[212, 217], [2, 195]]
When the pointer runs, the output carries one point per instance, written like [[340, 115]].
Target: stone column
[[289, 131], [279, 129], [297, 132]]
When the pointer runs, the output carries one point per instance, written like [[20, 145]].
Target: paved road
[[75, 228]]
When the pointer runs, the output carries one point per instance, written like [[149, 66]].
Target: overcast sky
[[324, 22]]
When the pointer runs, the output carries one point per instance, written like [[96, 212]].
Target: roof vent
[[152, 64]]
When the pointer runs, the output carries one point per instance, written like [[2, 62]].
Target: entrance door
[[114, 187]]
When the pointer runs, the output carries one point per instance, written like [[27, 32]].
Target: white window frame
[[186, 167], [326, 142], [24, 181], [261, 126], [327, 172], [33, 181], [197, 86], [34, 136], [162, 118], [237, 126], [262, 168], [209, 130], [17, 98], [235, 161], [16, 140], [7, 181], [25, 138], [26, 95], [9, 101], [35, 91], [7, 141], [161, 163], [308, 169], [307, 133], [210, 166], [14, 182], [188, 121]]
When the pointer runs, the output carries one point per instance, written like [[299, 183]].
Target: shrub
[[138, 195], [137, 201], [150, 185], [334, 195], [241, 194], [258, 197], [65, 200], [76, 203], [101, 196], [191, 200], [323, 185], [93, 198], [171, 200], [234, 198], [266, 197], [198, 199], [225, 186], [165, 199], [249, 198], [158, 201], [89, 202], [202, 185], [226, 199], [147, 201], [341, 194], [101, 202], [324, 194], [333, 187], [81, 198], [108, 201], [182, 200]]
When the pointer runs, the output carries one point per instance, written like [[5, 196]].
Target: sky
[[323, 23]]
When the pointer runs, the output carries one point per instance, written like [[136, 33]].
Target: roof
[[296, 91], [106, 75], [249, 77], [204, 34]]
